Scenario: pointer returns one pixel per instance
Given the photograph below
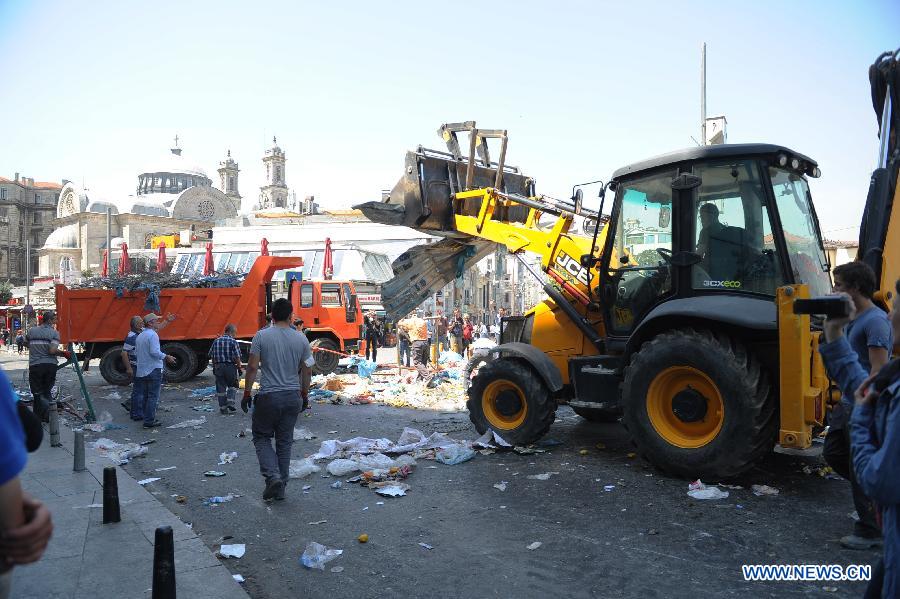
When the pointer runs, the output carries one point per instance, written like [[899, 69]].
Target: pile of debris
[[398, 387], [161, 280]]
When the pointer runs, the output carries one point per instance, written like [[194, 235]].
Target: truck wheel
[[111, 367], [185, 363], [699, 406], [202, 363], [599, 415], [473, 367], [510, 398], [326, 361]]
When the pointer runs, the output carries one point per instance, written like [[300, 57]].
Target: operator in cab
[[710, 226]]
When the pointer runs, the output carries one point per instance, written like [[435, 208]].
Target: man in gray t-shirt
[[284, 358], [43, 348]]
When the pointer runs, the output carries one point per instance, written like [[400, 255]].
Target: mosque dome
[[65, 237], [171, 174]]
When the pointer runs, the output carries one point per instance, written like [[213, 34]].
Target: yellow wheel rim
[[685, 407], [504, 405]]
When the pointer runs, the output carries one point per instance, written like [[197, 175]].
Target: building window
[[36, 240], [37, 198], [4, 212], [2, 193], [37, 218]]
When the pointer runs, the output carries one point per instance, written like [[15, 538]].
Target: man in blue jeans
[[284, 358], [148, 377]]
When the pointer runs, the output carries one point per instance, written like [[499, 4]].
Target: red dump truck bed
[[100, 320]]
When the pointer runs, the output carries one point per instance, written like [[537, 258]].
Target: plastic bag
[[365, 368], [317, 555], [341, 467], [449, 356], [374, 461], [302, 468], [454, 454], [698, 490]]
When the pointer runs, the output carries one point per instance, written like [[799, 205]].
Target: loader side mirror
[[578, 200]]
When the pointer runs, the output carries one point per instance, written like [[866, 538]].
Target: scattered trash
[[530, 450], [203, 391], [119, 453], [99, 427], [830, 589], [609, 488], [336, 485], [698, 490], [301, 434], [600, 446], [652, 531], [214, 473], [534, 545], [584, 452], [337, 569], [542, 476], [227, 457], [180, 499], [631, 455], [379, 503], [760, 490], [501, 485], [238, 577], [147, 481], [189, 423], [115, 396], [236, 551], [166, 468], [316, 555], [219, 499], [426, 546], [392, 490], [363, 538], [317, 522], [202, 408], [341, 467], [307, 487], [302, 468], [455, 454]]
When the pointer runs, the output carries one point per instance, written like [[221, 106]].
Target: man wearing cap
[[148, 376], [284, 358], [43, 347]]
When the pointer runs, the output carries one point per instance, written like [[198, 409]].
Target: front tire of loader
[[185, 365], [699, 406], [509, 398]]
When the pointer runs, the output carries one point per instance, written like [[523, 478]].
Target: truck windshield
[[801, 231]]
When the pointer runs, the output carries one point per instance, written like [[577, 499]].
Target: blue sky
[[95, 91]]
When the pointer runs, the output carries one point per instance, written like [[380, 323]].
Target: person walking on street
[[226, 358], [25, 523], [875, 437], [456, 331], [869, 334], [149, 373], [129, 360], [417, 330], [403, 346], [283, 357], [43, 347], [20, 341], [373, 332]]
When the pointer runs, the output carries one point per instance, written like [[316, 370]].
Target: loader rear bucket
[[422, 198]]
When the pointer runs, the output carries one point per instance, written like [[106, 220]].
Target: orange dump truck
[[99, 320]]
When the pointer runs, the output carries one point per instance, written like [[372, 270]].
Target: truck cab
[[332, 319]]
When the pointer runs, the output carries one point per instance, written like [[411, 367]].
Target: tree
[[648, 258], [5, 292]]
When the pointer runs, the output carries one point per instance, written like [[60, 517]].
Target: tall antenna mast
[[703, 94]]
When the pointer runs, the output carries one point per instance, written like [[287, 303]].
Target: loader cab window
[[639, 272], [801, 231], [733, 231], [331, 295]]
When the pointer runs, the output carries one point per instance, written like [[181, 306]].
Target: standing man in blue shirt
[[869, 335], [148, 376], [129, 359], [25, 523], [226, 357]]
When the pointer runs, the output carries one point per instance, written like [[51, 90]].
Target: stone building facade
[[27, 209]]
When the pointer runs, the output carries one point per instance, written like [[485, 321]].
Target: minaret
[[228, 180], [274, 194]]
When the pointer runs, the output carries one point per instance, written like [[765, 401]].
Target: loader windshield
[[801, 231]]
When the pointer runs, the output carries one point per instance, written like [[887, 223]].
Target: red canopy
[[208, 267], [264, 247], [327, 261], [124, 267], [104, 268], [161, 259]]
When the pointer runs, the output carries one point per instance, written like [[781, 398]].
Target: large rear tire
[[112, 369], [699, 406], [326, 361], [185, 365], [202, 363], [509, 398]]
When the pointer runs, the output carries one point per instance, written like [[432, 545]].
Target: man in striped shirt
[[43, 348], [226, 357]]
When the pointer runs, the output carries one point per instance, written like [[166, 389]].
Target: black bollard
[[164, 564], [79, 450], [110, 496]]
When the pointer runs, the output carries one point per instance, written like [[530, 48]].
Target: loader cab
[[729, 220]]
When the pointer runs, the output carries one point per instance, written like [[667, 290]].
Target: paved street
[[642, 537]]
